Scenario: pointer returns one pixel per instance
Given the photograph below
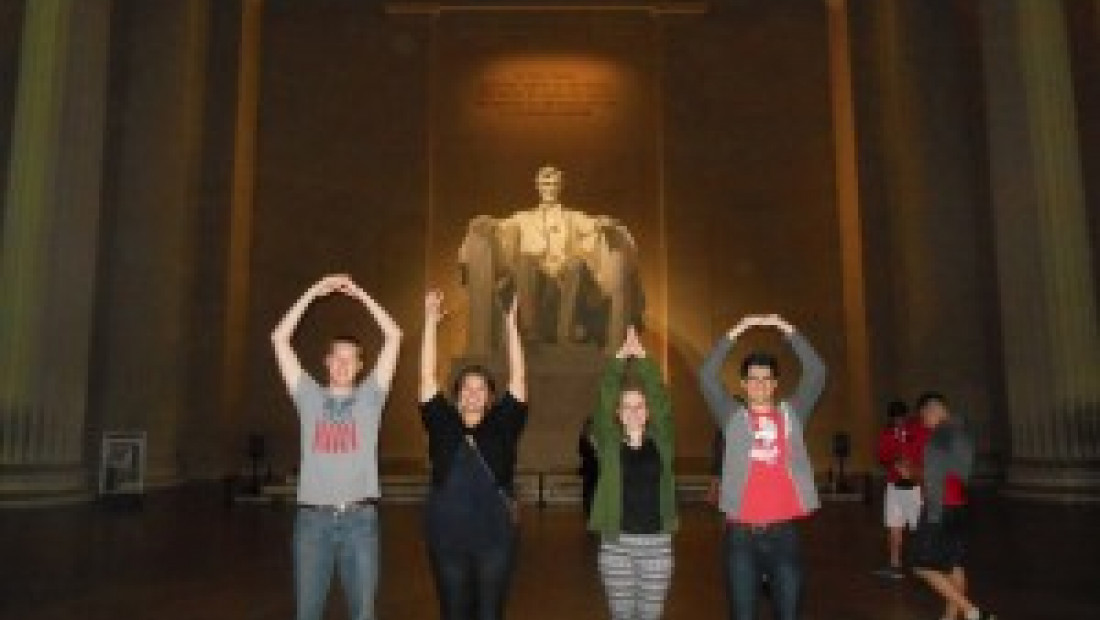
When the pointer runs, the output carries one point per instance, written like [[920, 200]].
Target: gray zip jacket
[[949, 451], [732, 418]]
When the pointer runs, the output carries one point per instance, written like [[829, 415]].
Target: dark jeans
[[473, 583], [755, 552]]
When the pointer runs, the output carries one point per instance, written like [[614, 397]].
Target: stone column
[[242, 206], [145, 333], [1048, 301], [48, 252], [928, 232], [861, 415]]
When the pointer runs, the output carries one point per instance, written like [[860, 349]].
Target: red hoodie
[[904, 441]]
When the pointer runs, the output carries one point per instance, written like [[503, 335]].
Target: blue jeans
[[473, 583], [752, 554], [346, 541]]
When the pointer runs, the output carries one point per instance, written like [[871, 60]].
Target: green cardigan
[[607, 434]]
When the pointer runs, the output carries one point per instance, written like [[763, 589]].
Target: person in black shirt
[[472, 445], [590, 466]]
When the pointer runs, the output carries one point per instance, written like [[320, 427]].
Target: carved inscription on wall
[[546, 92], [548, 89]]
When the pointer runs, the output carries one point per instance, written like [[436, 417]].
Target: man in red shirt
[[767, 478], [898, 451]]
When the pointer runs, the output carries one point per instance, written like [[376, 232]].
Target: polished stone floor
[[186, 555]]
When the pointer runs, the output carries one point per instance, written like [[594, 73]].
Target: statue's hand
[[616, 236]]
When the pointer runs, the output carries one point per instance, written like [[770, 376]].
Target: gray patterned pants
[[636, 570]]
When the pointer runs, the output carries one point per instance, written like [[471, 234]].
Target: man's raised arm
[[814, 373], [719, 400], [289, 365], [386, 364]]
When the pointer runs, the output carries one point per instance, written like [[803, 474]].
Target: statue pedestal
[[562, 383]]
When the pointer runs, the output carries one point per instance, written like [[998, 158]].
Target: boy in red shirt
[[898, 451]]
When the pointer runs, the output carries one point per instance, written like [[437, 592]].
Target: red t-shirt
[[770, 495], [954, 491]]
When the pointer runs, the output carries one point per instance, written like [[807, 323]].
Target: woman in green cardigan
[[634, 509]]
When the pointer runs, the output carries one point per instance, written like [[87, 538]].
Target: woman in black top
[[472, 445]]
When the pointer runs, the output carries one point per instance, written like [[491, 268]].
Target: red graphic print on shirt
[[765, 438], [769, 491], [336, 432]]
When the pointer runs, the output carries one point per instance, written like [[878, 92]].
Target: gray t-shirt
[[339, 442]]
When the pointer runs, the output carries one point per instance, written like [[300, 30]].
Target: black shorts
[[938, 546]]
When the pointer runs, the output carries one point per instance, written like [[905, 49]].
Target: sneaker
[[890, 572]]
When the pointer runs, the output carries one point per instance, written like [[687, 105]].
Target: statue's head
[[548, 181]]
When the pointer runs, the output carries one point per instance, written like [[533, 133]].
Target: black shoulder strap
[[508, 501]]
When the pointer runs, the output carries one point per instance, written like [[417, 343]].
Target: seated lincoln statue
[[576, 274]]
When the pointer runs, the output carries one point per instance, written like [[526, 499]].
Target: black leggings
[[473, 583]]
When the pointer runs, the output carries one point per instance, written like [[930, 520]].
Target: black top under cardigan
[[641, 468]]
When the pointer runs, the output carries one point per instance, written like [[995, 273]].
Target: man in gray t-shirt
[[337, 520], [339, 442]]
